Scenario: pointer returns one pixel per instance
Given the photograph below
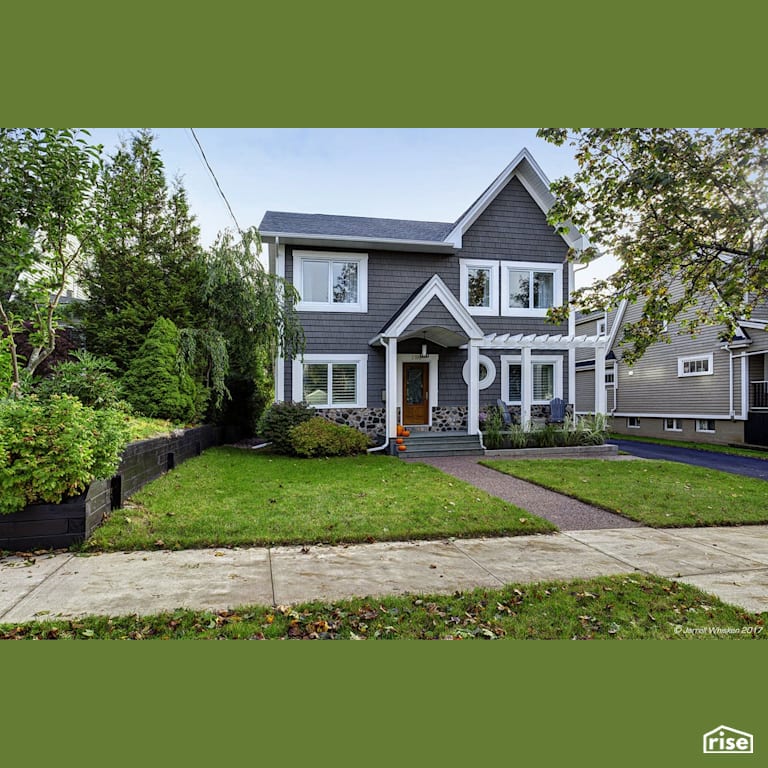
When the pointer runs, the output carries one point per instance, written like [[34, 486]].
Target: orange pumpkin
[[406, 433], [399, 440], [402, 447]]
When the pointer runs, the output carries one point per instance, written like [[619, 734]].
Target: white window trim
[[490, 372], [507, 360], [706, 431], [299, 257], [610, 369], [465, 264], [317, 359], [676, 421], [558, 382], [534, 266], [689, 358], [633, 426]]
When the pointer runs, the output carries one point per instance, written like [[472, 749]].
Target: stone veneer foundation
[[373, 421]]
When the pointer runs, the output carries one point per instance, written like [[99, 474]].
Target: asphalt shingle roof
[[354, 226]]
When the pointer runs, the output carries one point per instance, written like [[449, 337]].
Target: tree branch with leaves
[[688, 206]]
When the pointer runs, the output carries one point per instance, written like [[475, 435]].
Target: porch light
[[424, 352]]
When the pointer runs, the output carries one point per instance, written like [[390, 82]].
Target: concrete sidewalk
[[731, 563]]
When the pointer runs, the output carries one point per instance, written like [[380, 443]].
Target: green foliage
[[47, 220], [277, 421], [319, 437], [6, 367], [204, 353], [89, 378], [148, 262], [156, 384], [675, 207], [54, 448], [492, 428]]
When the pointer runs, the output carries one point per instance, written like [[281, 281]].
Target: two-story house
[[426, 323], [703, 388]]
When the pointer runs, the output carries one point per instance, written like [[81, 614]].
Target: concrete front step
[[441, 444], [438, 452]]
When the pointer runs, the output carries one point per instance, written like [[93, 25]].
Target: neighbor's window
[[705, 425], [480, 286], [633, 422], [335, 282], [673, 425], [610, 377], [331, 383], [701, 365]]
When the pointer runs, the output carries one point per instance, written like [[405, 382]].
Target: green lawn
[[616, 607], [657, 493], [749, 452], [235, 497]]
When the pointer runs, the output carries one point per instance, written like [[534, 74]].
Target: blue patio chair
[[505, 414], [556, 411]]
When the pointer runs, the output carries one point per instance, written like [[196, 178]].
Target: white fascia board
[[617, 321], [573, 239], [435, 288], [303, 238]]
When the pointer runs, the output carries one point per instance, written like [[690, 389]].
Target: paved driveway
[[725, 462]]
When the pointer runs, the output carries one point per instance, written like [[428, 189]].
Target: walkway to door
[[566, 513]]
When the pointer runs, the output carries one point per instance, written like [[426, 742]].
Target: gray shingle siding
[[512, 228]]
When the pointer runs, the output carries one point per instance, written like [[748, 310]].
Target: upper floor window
[[331, 282], [601, 325], [529, 288], [479, 286], [700, 365], [512, 288]]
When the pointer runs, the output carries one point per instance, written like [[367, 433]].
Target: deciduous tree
[[671, 204]]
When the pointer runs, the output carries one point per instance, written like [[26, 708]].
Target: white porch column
[[473, 389], [391, 384], [600, 404], [526, 395]]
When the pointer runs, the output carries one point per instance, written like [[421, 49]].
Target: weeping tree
[[678, 208], [47, 225], [250, 314]]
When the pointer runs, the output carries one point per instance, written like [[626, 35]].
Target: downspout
[[385, 445], [731, 412]]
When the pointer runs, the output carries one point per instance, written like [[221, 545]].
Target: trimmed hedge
[[319, 437]]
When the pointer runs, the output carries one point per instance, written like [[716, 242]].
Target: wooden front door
[[415, 393]]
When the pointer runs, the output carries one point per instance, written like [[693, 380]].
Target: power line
[[216, 181]]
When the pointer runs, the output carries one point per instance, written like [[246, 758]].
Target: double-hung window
[[337, 381], [331, 282], [530, 288]]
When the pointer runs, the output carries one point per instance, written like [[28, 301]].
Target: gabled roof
[[530, 175], [385, 229], [309, 228], [432, 236], [434, 288]]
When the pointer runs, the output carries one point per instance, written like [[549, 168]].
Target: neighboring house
[[704, 388], [427, 323]]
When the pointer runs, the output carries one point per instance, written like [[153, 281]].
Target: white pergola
[[560, 342], [473, 340]]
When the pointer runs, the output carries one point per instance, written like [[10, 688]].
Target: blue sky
[[408, 173]]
